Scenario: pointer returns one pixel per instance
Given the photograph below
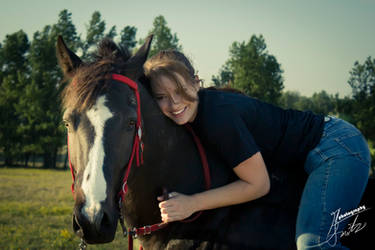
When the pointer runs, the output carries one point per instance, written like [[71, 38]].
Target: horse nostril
[[106, 221], [102, 221], [98, 220], [77, 228]]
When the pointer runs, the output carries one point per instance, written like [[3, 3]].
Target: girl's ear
[[197, 82]]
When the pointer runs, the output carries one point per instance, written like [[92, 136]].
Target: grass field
[[36, 211]]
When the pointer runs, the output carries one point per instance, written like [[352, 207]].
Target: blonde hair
[[170, 63]]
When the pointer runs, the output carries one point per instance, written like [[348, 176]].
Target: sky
[[316, 41]]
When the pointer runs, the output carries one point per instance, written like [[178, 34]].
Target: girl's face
[[172, 103]]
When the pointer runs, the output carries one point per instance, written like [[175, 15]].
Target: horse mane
[[91, 78]]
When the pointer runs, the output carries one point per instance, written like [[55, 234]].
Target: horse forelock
[[92, 78], [108, 49]]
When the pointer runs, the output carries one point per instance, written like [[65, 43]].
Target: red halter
[[137, 145]]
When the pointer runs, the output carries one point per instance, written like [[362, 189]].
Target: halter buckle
[[147, 229], [123, 187], [140, 133], [133, 233]]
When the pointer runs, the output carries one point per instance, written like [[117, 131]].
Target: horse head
[[101, 118]]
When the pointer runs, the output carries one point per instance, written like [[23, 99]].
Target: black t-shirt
[[237, 126]]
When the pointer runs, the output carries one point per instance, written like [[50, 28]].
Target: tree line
[[31, 83], [257, 73]]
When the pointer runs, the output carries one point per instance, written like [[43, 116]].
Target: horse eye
[[131, 124], [66, 124]]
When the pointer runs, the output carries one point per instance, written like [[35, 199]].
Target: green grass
[[36, 211]]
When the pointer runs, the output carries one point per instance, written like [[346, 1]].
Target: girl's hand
[[178, 207]]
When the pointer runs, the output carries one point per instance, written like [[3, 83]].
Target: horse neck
[[160, 131]]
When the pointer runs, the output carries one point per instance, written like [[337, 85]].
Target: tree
[[362, 81], [225, 77], [67, 29], [345, 108], [15, 72], [2, 62], [95, 33], [254, 70], [13, 53], [163, 37], [39, 106], [40, 103], [319, 103], [127, 37], [323, 103], [290, 99], [39, 99]]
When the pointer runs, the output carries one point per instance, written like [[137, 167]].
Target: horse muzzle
[[96, 228]]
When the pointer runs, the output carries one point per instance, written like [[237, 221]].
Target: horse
[[111, 125]]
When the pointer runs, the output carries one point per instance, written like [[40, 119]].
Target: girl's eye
[[159, 98]]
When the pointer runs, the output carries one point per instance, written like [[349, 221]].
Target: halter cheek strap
[[70, 165], [138, 144]]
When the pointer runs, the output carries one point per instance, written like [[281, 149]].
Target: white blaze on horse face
[[94, 185]]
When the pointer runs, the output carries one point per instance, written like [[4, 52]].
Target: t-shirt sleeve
[[231, 138]]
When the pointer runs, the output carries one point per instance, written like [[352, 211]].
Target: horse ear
[[68, 61], [135, 63]]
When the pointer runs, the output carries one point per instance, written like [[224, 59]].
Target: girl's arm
[[253, 183]]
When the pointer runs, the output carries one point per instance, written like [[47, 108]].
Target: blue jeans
[[338, 169]]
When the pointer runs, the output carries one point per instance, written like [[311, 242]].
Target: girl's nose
[[175, 99]]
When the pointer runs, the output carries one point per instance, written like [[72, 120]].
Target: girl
[[250, 135]]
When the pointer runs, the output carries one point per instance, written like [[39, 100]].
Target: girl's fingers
[[167, 211], [168, 218], [172, 194], [165, 204]]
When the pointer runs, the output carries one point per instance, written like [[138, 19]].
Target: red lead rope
[[202, 153]]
